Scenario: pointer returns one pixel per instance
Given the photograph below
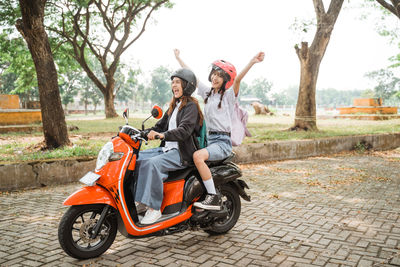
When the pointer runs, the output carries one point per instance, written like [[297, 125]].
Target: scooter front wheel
[[230, 201], [75, 232]]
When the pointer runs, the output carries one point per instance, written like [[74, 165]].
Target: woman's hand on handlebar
[[155, 135]]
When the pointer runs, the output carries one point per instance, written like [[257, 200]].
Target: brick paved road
[[326, 211]]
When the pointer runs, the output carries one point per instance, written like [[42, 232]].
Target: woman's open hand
[[177, 52], [259, 57]]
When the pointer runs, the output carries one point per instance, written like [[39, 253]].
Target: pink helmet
[[229, 70]]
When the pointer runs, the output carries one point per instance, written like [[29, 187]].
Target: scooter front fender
[[90, 195]]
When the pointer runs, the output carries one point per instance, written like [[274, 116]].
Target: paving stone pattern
[[340, 210]]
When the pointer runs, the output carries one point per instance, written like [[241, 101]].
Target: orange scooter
[[106, 204]]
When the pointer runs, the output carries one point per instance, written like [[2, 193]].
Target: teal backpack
[[202, 138]]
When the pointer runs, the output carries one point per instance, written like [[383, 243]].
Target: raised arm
[[202, 88], [256, 59], [180, 61]]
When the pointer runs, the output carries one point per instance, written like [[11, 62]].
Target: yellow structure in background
[[368, 106], [9, 102], [11, 114]]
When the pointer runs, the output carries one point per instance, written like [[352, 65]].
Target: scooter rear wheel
[[230, 201], [74, 231]]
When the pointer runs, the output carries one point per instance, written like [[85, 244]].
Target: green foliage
[[286, 97], [120, 19], [331, 97], [160, 86], [259, 88], [26, 152], [69, 87], [126, 88], [328, 97], [362, 146], [387, 85], [102, 31], [9, 12], [303, 27], [17, 61], [368, 93], [384, 26], [7, 81], [244, 89]]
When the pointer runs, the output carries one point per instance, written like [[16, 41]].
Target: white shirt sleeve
[[202, 89]]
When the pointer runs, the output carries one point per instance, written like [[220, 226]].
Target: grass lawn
[[94, 132], [265, 128]]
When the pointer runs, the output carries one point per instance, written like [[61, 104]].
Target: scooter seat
[[220, 162], [179, 174]]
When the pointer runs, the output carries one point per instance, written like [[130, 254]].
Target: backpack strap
[[202, 138]]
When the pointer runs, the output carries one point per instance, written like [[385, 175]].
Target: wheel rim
[[82, 227], [227, 203]]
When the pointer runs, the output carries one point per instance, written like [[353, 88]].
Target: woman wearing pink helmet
[[218, 110]]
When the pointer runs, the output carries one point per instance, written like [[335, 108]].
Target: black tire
[[230, 200], [75, 227]]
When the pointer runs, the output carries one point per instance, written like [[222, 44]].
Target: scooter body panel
[[112, 177], [115, 170], [172, 193], [90, 195]]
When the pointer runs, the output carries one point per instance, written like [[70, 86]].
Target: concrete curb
[[281, 150], [43, 173]]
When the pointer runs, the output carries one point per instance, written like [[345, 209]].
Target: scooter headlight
[[104, 155]]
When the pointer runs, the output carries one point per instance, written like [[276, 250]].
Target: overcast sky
[[236, 30]]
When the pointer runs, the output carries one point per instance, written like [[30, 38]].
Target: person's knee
[[199, 156]]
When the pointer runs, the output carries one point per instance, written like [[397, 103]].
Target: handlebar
[[139, 136], [142, 135]]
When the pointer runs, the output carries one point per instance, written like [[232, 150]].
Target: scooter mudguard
[[240, 185], [90, 195]]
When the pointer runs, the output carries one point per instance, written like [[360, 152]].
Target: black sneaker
[[211, 202]]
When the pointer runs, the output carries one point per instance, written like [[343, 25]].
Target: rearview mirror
[[125, 114], [156, 112]]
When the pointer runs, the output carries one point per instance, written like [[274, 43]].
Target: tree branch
[[395, 8], [144, 25], [335, 7], [319, 9]]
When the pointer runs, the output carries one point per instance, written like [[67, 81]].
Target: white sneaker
[[151, 216]]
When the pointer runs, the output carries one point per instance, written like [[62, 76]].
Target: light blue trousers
[[153, 166]]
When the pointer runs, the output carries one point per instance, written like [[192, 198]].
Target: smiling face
[[176, 86], [217, 79]]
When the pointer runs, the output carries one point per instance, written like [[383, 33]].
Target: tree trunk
[[109, 101], [306, 107], [310, 60], [32, 29]]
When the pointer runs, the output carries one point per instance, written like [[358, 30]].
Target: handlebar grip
[[145, 133], [157, 137]]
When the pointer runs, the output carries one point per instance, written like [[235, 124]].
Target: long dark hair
[[220, 91]]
